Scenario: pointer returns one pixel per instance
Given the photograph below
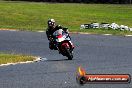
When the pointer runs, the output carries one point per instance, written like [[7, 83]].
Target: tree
[[78, 1]]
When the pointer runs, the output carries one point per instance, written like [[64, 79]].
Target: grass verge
[[10, 58], [33, 16]]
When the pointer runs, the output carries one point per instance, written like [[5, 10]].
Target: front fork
[[71, 45]]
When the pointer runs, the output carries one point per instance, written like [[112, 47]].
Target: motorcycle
[[63, 43]]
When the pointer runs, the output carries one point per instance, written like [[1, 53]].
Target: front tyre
[[69, 54], [70, 57]]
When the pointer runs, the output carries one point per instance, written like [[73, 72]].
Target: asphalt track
[[95, 53]]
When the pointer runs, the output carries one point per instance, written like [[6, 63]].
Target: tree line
[[84, 1]]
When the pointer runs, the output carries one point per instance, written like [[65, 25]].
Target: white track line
[[7, 30], [12, 30], [40, 31], [36, 60], [107, 34], [70, 32], [128, 35]]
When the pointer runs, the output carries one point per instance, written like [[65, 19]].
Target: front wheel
[[70, 57], [69, 54]]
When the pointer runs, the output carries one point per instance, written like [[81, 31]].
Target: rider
[[52, 27]]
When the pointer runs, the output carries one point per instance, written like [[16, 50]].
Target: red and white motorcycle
[[64, 44]]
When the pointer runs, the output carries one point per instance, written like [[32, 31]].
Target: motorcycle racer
[[52, 27]]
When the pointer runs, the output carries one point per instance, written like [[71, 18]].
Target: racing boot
[[51, 46]]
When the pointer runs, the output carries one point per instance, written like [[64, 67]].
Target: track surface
[[95, 53]]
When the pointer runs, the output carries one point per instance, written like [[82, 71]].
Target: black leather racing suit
[[49, 33]]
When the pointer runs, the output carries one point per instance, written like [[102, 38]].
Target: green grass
[[33, 16], [10, 58]]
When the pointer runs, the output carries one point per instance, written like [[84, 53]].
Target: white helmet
[[51, 23]]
